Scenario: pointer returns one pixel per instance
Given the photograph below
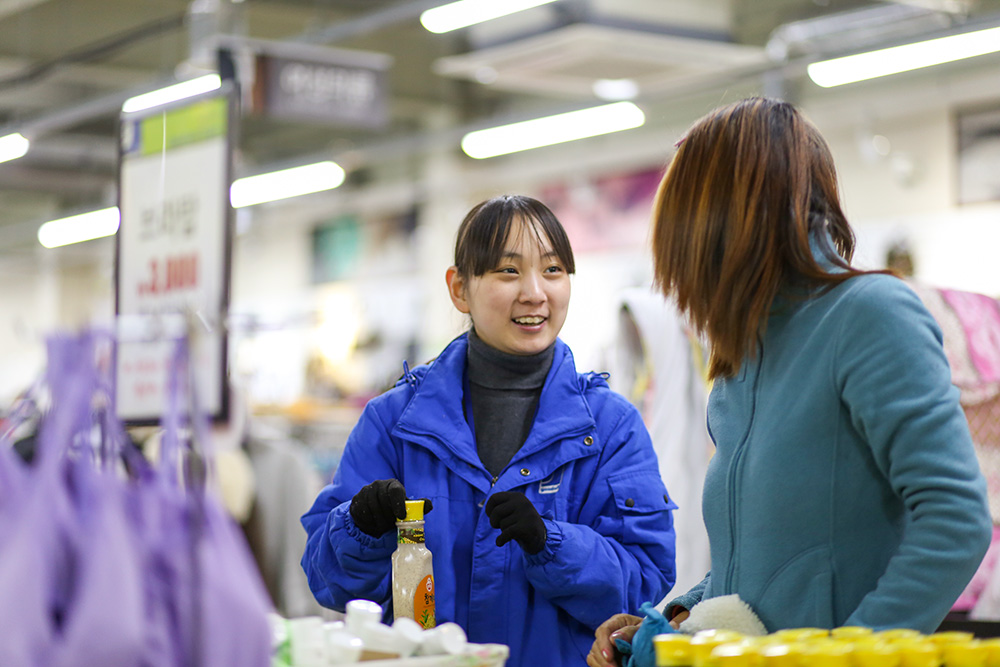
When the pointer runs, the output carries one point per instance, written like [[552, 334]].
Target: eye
[[555, 268], [509, 270]]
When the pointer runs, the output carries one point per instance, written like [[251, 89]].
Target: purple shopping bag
[[68, 571], [222, 601]]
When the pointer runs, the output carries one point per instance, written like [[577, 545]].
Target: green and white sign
[[173, 254]]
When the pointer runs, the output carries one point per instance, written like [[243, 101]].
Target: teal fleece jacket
[[844, 489]]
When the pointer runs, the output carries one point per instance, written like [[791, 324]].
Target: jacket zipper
[[735, 475]]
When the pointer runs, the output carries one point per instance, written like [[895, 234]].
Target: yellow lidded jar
[[894, 634], [800, 634], [918, 652], [704, 641], [825, 652], [970, 653], [776, 653], [850, 632], [950, 637], [672, 650], [734, 654], [870, 652], [992, 648]]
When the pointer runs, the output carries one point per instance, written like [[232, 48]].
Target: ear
[[456, 289]]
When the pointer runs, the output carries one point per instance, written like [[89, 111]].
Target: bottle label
[[423, 602], [410, 536]]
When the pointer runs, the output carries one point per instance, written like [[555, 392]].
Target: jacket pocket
[[800, 592], [642, 501]]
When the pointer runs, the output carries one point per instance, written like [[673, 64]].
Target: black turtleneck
[[504, 391]]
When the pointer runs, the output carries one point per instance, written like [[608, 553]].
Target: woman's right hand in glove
[[377, 507]]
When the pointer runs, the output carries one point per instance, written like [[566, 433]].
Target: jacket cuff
[[681, 603], [553, 540], [342, 519]]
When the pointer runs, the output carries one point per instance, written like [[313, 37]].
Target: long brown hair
[[732, 219]]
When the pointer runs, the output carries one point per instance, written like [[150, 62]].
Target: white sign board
[[173, 254]]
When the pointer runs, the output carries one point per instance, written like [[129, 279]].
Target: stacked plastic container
[[815, 647]]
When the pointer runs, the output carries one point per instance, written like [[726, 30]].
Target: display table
[[475, 655]]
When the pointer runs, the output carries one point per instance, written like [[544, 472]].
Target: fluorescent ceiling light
[[178, 91], [552, 130], [613, 90], [13, 146], [893, 60], [464, 13], [286, 183], [79, 228]]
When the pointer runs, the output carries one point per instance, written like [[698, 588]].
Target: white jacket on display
[[657, 364]]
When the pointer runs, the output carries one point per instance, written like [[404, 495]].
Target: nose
[[532, 288]]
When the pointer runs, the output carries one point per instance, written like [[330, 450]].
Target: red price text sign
[[173, 253]]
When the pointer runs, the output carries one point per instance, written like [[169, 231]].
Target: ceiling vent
[[569, 60]]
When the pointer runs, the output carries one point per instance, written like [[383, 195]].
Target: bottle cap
[[362, 613], [414, 510]]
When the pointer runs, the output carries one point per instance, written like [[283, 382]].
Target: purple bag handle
[[180, 384]]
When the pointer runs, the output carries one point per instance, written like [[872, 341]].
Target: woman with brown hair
[[844, 489]]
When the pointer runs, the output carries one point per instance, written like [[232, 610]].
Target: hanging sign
[[173, 251], [322, 85]]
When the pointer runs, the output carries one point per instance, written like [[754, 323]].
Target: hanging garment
[[657, 365]]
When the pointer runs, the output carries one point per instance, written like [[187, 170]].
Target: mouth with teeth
[[529, 320]]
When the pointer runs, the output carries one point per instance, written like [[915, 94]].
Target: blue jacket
[[587, 466], [844, 489]]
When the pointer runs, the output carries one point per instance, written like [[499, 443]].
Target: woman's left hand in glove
[[517, 520]]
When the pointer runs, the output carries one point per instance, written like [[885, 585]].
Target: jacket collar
[[435, 415]]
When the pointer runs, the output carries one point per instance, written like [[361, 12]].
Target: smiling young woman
[[549, 511], [519, 305]]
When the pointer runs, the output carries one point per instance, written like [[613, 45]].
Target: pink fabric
[[980, 318], [967, 600]]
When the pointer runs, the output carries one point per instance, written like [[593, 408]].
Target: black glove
[[517, 519], [377, 506]]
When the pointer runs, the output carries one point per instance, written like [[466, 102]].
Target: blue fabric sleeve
[[689, 599], [641, 650], [617, 556], [341, 562], [894, 378]]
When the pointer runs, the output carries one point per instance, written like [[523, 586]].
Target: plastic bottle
[[412, 569]]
